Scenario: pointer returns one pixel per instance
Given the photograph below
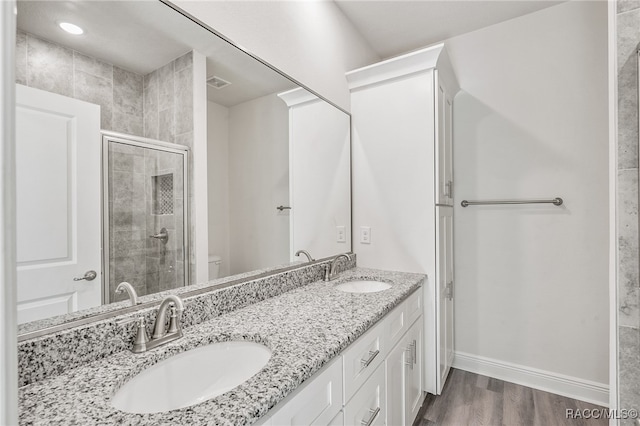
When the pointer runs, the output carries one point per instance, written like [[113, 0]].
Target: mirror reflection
[[162, 156]]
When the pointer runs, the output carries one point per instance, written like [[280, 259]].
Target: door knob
[[89, 276]]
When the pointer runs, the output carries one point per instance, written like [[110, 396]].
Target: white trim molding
[[8, 327], [399, 66], [297, 97], [560, 384]]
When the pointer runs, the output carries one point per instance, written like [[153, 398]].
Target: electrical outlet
[[365, 234], [341, 234]]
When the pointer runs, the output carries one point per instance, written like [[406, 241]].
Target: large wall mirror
[[152, 151]]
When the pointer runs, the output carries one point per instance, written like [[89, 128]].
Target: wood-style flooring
[[471, 399]]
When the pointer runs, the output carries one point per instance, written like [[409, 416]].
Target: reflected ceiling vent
[[217, 82]]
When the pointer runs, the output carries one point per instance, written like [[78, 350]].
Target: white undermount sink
[[363, 286], [191, 377]]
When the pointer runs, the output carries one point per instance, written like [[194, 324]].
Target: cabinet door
[[413, 371], [395, 366], [448, 148], [444, 276], [444, 145], [404, 378]]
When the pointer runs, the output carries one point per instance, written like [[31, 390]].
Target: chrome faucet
[[330, 270], [173, 303], [161, 334], [133, 296], [306, 253]]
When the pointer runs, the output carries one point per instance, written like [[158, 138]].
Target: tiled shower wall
[[147, 264], [168, 116], [628, 41], [54, 68], [158, 105]]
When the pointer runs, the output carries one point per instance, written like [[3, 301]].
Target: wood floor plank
[[486, 408], [517, 404], [472, 399]]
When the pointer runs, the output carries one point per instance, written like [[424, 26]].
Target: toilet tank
[[214, 266]]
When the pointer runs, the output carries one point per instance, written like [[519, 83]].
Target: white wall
[[199, 220], [312, 41], [320, 186], [258, 183], [218, 183], [532, 282], [8, 328]]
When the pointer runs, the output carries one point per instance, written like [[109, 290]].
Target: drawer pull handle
[[372, 355], [372, 417], [415, 354]]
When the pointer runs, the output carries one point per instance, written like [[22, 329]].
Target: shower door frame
[[137, 141]]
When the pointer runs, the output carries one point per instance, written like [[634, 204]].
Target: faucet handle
[[142, 338], [174, 322]]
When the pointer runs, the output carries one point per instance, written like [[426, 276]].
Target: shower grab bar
[[555, 201]]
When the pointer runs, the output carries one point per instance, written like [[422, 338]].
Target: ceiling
[[142, 36], [395, 27]]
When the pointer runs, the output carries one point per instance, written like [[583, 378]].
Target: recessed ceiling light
[[71, 28]]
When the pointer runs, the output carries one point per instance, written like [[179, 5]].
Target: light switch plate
[[341, 236], [365, 234]]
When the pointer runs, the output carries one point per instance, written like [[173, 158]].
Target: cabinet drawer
[[316, 403], [413, 307], [362, 358], [368, 406]]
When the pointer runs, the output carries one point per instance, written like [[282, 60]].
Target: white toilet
[[214, 266]]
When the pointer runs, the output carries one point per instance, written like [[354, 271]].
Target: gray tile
[[628, 260], [150, 79], [184, 101], [151, 127], [166, 125], [185, 139], [629, 367], [127, 92], [21, 58], [121, 186], [628, 37], [92, 66], [151, 105], [627, 5], [166, 87], [49, 66], [183, 61], [125, 123], [96, 90]]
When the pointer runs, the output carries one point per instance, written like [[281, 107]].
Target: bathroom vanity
[[335, 356]]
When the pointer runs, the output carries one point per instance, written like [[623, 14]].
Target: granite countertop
[[305, 328]]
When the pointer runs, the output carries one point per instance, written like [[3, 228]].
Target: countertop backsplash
[[55, 353]]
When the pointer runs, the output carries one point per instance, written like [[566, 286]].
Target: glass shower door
[[145, 216]]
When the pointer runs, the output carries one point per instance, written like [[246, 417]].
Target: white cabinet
[[444, 143], [402, 121], [362, 358], [369, 383], [404, 378], [444, 237], [369, 405], [317, 403]]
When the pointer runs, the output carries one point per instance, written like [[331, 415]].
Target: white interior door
[[58, 203]]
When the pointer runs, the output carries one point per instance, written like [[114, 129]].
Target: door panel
[[58, 203], [444, 275]]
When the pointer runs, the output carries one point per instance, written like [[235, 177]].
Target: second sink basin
[[363, 286], [192, 377]]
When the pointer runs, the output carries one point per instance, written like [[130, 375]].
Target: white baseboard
[[572, 387]]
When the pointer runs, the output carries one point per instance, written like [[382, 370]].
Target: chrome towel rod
[[556, 202]]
